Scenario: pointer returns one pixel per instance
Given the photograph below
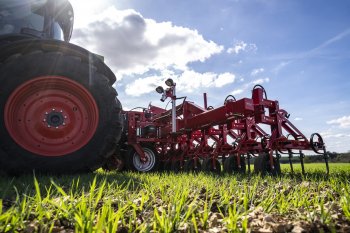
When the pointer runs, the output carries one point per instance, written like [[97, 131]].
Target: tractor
[[58, 110]]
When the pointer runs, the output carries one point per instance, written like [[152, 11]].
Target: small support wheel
[[212, 165], [231, 165], [316, 143], [135, 162]]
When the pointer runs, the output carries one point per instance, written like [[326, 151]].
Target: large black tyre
[[262, 165], [34, 68], [231, 165]]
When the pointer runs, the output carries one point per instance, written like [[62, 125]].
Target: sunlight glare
[[85, 10]]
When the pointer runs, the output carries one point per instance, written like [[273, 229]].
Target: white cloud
[[343, 122], [187, 81], [143, 85], [336, 139], [224, 79], [245, 86], [298, 119], [280, 66], [237, 92], [260, 81], [257, 71], [241, 46], [132, 44]]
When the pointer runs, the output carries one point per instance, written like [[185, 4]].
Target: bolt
[[65, 117], [44, 120], [53, 109], [61, 110], [64, 123], [48, 126], [46, 113], [56, 127]]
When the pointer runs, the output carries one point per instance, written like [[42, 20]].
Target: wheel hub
[[146, 165], [54, 119]]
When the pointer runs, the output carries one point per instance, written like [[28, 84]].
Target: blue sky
[[298, 50]]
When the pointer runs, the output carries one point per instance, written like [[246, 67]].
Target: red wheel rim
[[51, 116]]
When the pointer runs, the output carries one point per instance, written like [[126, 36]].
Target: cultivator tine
[[302, 156], [290, 156], [325, 156], [239, 161], [272, 164], [248, 157], [277, 168]]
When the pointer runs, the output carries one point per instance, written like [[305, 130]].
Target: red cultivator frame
[[192, 138]]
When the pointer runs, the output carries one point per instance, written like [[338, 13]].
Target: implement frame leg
[[302, 156], [290, 156]]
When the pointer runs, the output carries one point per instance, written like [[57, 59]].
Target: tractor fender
[[14, 46]]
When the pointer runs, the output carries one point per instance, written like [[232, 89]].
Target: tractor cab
[[44, 19]]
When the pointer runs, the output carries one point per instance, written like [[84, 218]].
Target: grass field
[[134, 202]]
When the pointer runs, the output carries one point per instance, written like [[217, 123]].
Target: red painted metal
[[51, 115], [232, 129]]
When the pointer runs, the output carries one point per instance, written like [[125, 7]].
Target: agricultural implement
[[193, 138]]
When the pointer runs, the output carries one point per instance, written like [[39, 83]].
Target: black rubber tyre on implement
[[262, 165], [231, 165], [58, 109], [134, 163], [190, 165], [209, 167]]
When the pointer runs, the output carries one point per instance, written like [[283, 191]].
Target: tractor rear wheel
[[58, 114]]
